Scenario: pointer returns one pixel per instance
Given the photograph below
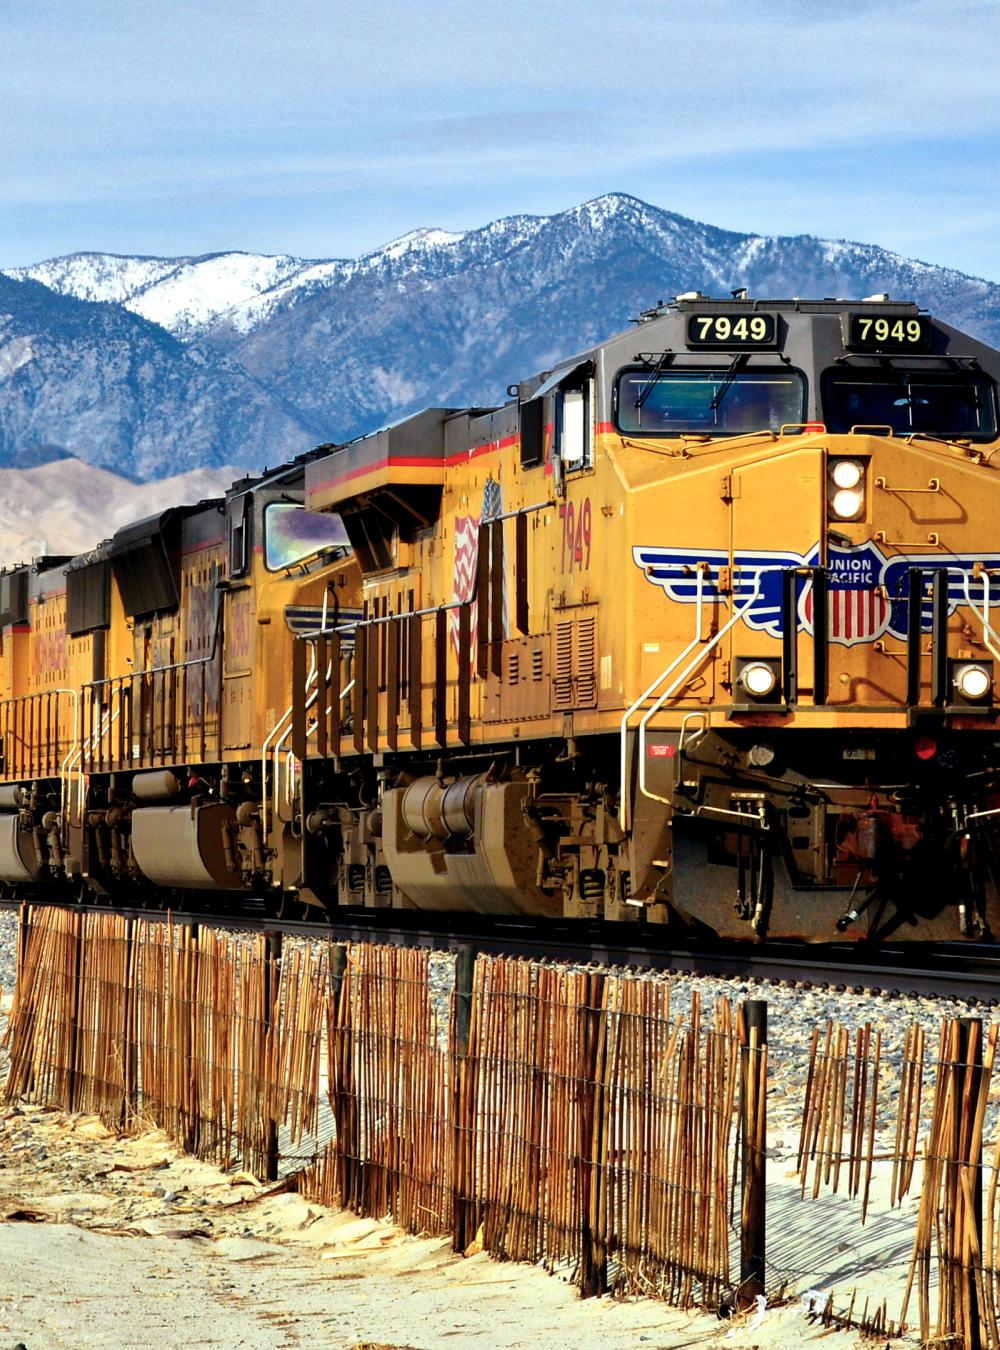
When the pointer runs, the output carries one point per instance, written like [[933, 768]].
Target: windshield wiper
[[737, 363], [661, 365]]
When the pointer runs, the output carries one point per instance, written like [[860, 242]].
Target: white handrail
[[277, 751], [990, 639], [311, 731], [107, 723], [63, 781], [685, 674], [701, 569], [286, 717], [290, 758]]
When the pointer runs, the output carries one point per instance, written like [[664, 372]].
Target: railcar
[[144, 684], [695, 629]]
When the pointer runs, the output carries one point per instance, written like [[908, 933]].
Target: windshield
[[291, 533], [961, 404], [707, 402]]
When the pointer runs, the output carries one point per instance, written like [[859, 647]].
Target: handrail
[[701, 569], [39, 694], [990, 639], [63, 774], [285, 717], [276, 753], [310, 730], [375, 620], [684, 743], [150, 670], [689, 670], [107, 723], [73, 750]]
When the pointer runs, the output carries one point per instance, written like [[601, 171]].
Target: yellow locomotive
[[697, 628]]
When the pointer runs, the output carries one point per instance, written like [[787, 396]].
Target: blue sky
[[327, 128]]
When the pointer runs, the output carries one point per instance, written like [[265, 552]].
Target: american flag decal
[[466, 555], [467, 560], [854, 614]]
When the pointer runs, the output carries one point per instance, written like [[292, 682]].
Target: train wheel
[[292, 907], [288, 906]]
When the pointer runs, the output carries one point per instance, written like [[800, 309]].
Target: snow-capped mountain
[[115, 390], [189, 296], [266, 353], [193, 296], [180, 294]]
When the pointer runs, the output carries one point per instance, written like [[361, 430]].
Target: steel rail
[[949, 970]]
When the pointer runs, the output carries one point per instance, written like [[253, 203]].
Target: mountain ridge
[[240, 357], [68, 506], [77, 274]]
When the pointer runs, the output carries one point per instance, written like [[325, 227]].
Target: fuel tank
[[18, 859], [187, 846]]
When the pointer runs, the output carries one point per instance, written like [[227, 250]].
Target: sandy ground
[[129, 1242], [107, 1242]]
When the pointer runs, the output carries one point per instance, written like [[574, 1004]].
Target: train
[[695, 630]]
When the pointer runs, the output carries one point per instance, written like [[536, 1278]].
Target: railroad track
[[945, 971]]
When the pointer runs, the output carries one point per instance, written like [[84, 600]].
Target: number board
[[889, 332], [732, 330]]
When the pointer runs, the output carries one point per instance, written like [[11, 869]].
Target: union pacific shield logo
[[858, 608], [868, 593]]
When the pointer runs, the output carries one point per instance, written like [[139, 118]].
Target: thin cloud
[[340, 122]]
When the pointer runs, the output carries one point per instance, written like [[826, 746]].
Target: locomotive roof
[[808, 334]]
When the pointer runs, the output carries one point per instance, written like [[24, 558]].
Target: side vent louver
[[586, 680], [562, 683], [574, 683]]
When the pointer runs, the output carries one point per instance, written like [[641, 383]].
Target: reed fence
[[576, 1118]]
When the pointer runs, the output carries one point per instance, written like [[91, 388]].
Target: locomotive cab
[[844, 780]]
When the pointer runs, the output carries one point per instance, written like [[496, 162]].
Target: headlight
[[846, 473], [847, 503], [845, 488], [973, 681], [758, 678]]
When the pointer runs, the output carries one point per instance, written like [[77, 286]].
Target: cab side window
[[532, 419], [573, 426], [239, 536]]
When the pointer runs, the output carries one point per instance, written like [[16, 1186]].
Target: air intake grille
[[574, 683]]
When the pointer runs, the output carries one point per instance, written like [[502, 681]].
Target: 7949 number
[[731, 330], [888, 331], [576, 534]]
